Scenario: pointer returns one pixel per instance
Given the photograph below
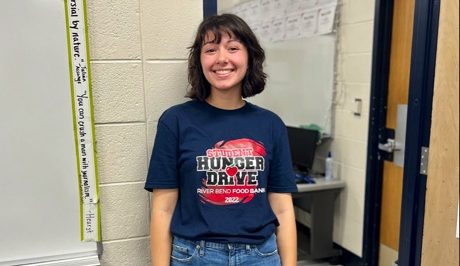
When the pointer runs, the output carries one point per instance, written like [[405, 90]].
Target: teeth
[[223, 71]]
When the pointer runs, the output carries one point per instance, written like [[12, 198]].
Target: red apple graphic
[[231, 170]]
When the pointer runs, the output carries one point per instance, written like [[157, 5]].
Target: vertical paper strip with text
[[80, 81]]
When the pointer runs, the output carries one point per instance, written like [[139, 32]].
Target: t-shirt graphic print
[[231, 169]]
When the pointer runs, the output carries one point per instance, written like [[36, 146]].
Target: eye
[[209, 50], [233, 49]]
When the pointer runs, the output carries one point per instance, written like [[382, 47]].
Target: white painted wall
[[349, 146], [138, 52]]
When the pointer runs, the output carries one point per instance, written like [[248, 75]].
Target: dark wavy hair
[[255, 78]]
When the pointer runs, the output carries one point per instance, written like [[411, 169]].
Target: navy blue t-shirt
[[224, 163]]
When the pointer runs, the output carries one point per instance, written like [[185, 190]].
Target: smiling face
[[225, 63]]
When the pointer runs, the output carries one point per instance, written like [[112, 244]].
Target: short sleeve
[[281, 178], [163, 172]]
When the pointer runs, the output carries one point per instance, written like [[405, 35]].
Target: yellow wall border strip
[[83, 119]]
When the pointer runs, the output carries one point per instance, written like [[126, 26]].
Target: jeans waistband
[[217, 245]]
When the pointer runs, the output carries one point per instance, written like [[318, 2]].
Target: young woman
[[220, 171]]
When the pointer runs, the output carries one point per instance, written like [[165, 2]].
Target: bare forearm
[[160, 238], [287, 238], [163, 204], [286, 234]]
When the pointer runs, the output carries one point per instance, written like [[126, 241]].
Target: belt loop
[[248, 248], [202, 245]]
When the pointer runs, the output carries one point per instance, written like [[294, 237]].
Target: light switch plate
[[357, 106]]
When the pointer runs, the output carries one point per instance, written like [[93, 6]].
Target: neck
[[225, 101]]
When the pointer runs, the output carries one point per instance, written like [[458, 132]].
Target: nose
[[222, 57]]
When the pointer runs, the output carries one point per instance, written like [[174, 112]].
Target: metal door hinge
[[424, 160]]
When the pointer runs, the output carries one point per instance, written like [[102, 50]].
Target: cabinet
[[314, 208]]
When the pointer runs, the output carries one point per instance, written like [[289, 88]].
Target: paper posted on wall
[[275, 20]]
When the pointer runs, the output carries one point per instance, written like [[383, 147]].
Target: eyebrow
[[229, 41]]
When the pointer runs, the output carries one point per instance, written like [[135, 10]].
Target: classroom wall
[[349, 144], [138, 61]]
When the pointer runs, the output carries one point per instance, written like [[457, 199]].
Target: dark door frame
[[209, 8], [377, 132], [421, 84]]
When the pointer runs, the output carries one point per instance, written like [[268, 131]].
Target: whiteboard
[[39, 206], [300, 81]]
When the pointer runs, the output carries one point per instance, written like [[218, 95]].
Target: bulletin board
[[40, 186]]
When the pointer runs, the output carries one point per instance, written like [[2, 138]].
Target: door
[[398, 92], [440, 247]]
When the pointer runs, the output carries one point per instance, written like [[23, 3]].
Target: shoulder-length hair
[[255, 78]]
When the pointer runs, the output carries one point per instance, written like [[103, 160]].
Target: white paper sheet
[[279, 20]]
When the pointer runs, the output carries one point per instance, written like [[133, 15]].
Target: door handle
[[395, 145], [390, 146]]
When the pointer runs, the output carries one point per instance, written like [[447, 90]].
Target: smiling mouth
[[223, 71]]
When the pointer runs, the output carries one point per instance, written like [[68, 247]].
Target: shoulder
[[273, 122], [267, 115], [177, 111], [172, 117]]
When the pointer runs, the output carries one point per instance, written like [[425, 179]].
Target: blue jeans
[[187, 252]]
